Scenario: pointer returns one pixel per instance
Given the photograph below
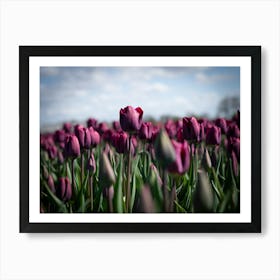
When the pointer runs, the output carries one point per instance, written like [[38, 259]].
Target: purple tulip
[[59, 136], [91, 123], [107, 135], [233, 131], [213, 136], [51, 183], [236, 118], [234, 146], [95, 137], [117, 126], [84, 137], [91, 165], [222, 124], [120, 142], [131, 119], [72, 146], [182, 162], [191, 129], [64, 189], [52, 151], [146, 131], [170, 128], [102, 128], [180, 137], [67, 127], [60, 157]]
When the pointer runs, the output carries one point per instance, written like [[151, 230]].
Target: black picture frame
[[254, 52]]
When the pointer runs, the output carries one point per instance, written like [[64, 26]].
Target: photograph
[[139, 139]]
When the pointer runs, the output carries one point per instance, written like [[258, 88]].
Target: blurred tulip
[[236, 118], [52, 152], [72, 146], [234, 145], [117, 126], [91, 165], [146, 200], [51, 183], [67, 127], [170, 128], [206, 160], [64, 189], [131, 119], [191, 129], [120, 142], [60, 157], [203, 196], [213, 136], [182, 162], [146, 131], [102, 127], [59, 136], [92, 123], [233, 131], [222, 124], [95, 137], [180, 137], [106, 173], [84, 137], [164, 149]]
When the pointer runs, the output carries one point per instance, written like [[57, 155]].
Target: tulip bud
[[106, 173], [191, 129], [83, 136], [64, 189], [52, 152], [72, 146], [102, 128], [117, 126], [120, 142], [91, 123], [182, 162], [51, 183], [91, 165], [213, 136], [222, 124], [164, 149], [67, 127], [233, 131], [206, 160], [95, 137], [147, 204], [59, 136], [131, 119], [146, 131], [203, 196]]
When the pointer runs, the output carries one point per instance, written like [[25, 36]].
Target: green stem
[[91, 193], [128, 175], [72, 175], [165, 191], [82, 168]]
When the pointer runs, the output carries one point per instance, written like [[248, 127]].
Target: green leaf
[[180, 209]]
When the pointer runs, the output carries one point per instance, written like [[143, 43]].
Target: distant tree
[[228, 106]]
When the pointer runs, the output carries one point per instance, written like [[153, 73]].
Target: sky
[[77, 93]]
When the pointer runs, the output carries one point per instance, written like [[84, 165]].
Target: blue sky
[[77, 93]]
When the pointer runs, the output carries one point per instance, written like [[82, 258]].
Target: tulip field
[[182, 165]]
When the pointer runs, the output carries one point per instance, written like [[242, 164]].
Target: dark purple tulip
[[202, 132], [67, 127], [170, 128], [233, 131], [155, 132], [234, 163], [102, 128], [91, 165], [191, 129], [64, 189], [222, 124], [92, 123], [213, 136], [107, 135], [72, 146], [95, 137], [120, 142], [180, 137], [51, 183], [179, 123], [236, 118], [59, 136], [117, 126], [84, 137], [234, 145], [60, 157], [146, 131], [77, 127], [182, 162], [131, 119], [52, 151]]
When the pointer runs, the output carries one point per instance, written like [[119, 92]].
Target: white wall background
[[139, 256]]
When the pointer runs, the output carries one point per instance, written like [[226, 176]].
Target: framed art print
[[140, 138]]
